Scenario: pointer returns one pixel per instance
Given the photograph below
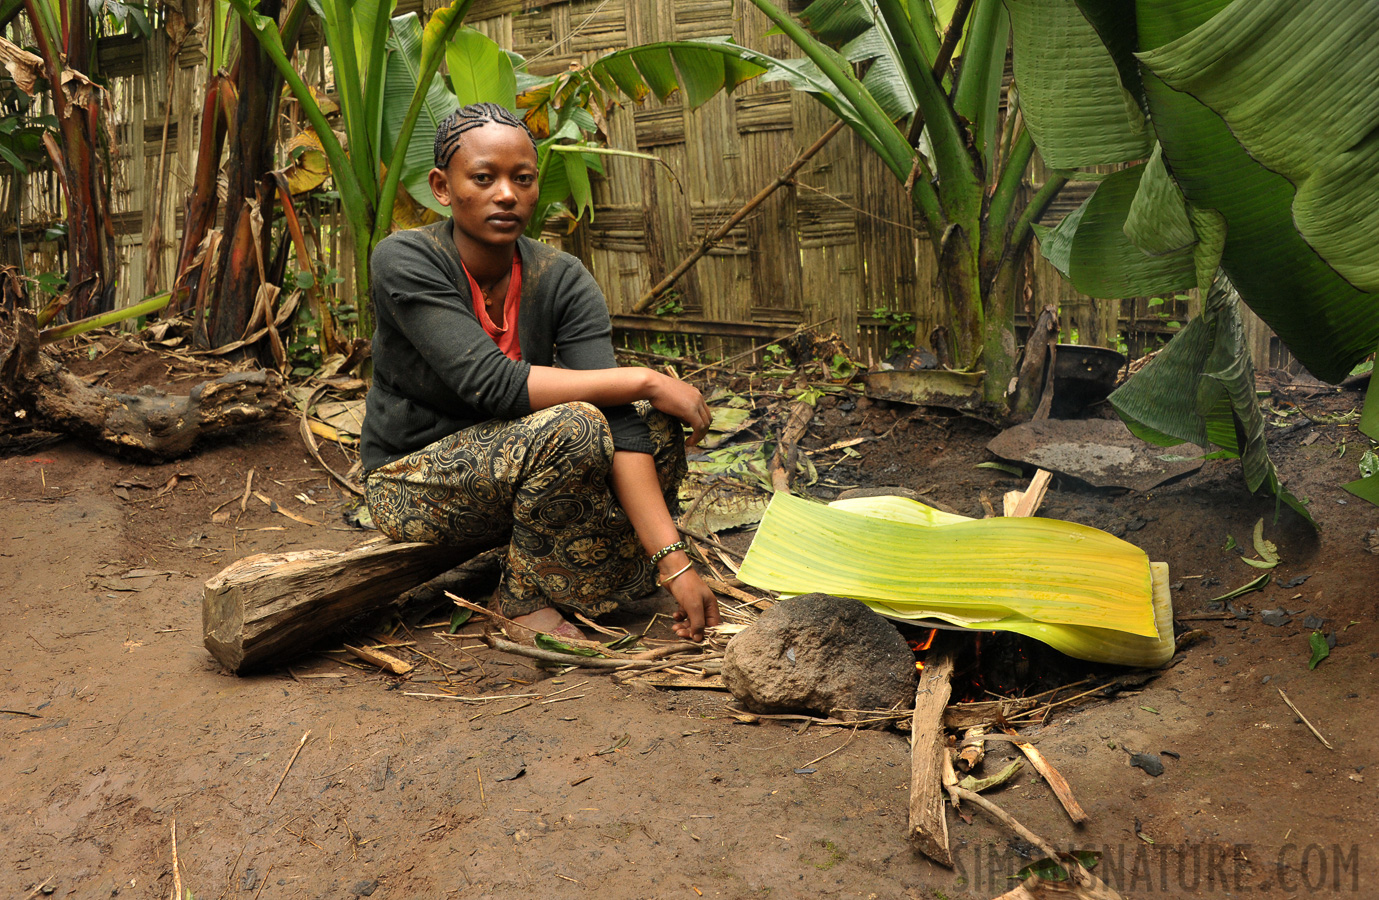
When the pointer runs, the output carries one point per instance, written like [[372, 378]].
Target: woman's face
[[489, 184]]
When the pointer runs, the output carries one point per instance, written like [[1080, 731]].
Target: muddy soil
[[117, 724]]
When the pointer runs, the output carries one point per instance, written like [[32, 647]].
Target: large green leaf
[[885, 79], [440, 28], [836, 22], [856, 539], [1158, 221], [705, 67], [1056, 243], [652, 68], [1101, 260], [1070, 91], [1200, 389], [1114, 21], [403, 69], [1294, 80], [480, 72], [1325, 321]]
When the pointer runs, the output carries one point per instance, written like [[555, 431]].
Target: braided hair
[[475, 115]]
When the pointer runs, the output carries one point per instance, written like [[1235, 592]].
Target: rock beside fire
[[820, 654]]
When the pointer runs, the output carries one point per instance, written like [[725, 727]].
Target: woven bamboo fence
[[838, 248]]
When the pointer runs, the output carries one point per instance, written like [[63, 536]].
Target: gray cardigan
[[435, 369]]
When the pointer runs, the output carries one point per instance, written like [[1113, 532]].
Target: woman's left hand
[[698, 606]]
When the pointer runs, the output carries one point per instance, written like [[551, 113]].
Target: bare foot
[[552, 622]]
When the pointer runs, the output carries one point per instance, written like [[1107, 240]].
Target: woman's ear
[[440, 186]]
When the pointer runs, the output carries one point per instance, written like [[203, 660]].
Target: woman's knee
[[581, 429]]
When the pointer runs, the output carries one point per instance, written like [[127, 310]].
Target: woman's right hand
[[684, 402]]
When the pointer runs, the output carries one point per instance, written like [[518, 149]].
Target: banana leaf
[[1080, 590], [1294, 81], [1093, 251], [1158, 221], [403, 69], [1040, 569], [1327, 323], [702, 68], [1070, 90], [1200, 389], [480, 72]]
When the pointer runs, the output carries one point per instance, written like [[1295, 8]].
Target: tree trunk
[[77, 104], [960, 280], [251, 155], [204, 200], [148, 426], [999, 346]]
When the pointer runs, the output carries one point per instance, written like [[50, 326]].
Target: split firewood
[[928, 823], [783, 461], [148, 425], [268, 608], [1027, 502], [972, 748]]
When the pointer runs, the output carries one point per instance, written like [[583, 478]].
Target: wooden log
[[928, 823], [265, 609]]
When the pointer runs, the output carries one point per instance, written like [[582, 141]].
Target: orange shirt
[[505, 337]]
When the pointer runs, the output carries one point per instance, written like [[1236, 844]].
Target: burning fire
[[921, 646]]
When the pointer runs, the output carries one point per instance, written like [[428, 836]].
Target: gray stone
[[1098, 451], [820, 654]]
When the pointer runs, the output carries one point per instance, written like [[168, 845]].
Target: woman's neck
[[485, 262]]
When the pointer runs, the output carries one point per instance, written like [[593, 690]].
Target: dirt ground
[[118, 724]]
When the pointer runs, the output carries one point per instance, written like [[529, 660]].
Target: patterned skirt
[[541, 484]]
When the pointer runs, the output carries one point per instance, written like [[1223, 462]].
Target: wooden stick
[[248, 486], [834, 750], [928, 824], [755, 347], [1004, 818], [519, 632], [1086, 885], [727, 590], [566, 659], [385, 661], [786, 176], [38, 890], [176, 870], [1060, 786], [295, 753], [1310, 727]]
